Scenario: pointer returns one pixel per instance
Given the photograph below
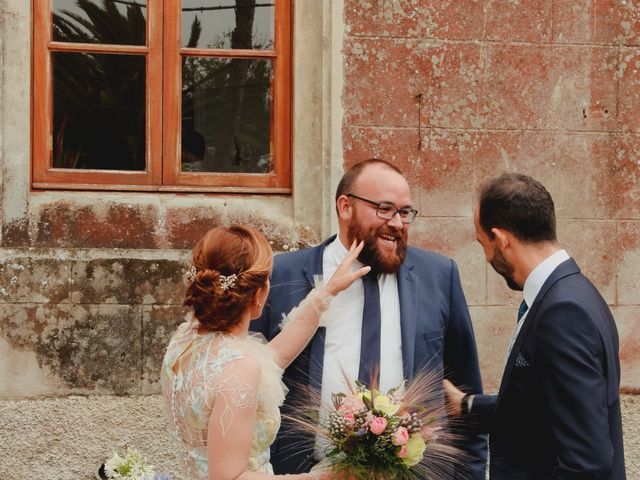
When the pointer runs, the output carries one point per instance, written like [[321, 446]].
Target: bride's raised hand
[[343, 276]]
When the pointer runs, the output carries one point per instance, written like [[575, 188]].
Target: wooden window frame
[[163, 108]]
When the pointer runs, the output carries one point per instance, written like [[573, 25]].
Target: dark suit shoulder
[[428, 258], [284, 264]]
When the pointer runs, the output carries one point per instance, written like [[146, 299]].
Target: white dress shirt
[[533, 284], [343, 322]]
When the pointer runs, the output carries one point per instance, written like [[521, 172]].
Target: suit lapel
[[408, 297], [566, 268], [312, 268]]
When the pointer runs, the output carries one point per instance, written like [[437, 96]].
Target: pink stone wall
[[454, 92]]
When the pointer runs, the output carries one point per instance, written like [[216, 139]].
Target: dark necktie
[[522, 309], [370, 340]]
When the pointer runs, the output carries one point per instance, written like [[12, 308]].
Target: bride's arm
[[304, 319], [233, 422]]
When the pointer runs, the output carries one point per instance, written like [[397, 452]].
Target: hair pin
[[191, 274], [228, 281]]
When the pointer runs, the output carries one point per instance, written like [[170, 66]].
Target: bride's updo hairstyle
[[229, 265]]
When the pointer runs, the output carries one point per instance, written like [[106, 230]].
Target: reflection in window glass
[[98, 111], [226, 115], [116, 22], [228, 24]]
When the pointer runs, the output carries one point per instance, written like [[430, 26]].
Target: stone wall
[[455, 92]]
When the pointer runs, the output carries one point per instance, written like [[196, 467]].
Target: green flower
[[383, 404], [415, 450]]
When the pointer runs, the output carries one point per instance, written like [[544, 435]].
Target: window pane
[[226, 115], [118, 22], [228, 24], [98, 111]]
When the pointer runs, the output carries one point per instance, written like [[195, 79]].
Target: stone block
[[186, 225], [493, 326], [523, 20], [573, 21], [78, 348], [103, 225], [628, 265], [16, 234], [128, 281], [589, 242], [446, 19], [628, 323], [24, 279], [455, 238], [372, 94], [446, 172], [446, 75], [617, 22], [398, 146], [620, 175], [550, 87], [579, 169], [158, 325], [451, 75], [629, 89]]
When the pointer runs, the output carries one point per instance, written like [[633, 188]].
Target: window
[[162, 95]]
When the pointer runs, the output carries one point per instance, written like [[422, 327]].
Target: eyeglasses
[[387, 211]]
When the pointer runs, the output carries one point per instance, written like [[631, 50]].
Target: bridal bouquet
[[133, 466], [398, 435]]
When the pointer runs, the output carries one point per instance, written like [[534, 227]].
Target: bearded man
[[408, 314]]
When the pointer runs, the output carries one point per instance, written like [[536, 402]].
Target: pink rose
[[400, 436], [402, 452], [351, 420], [351, 405], [378, 425]]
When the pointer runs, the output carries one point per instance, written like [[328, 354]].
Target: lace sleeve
[[301, 323], [233, 416]]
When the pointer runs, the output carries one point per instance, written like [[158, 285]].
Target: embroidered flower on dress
[[242, 396]]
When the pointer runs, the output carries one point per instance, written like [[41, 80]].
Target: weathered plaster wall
[[458, 91]]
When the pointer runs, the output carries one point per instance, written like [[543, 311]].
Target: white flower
[[131, 467]]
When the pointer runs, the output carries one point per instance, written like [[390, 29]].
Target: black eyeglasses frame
[[410, 212]]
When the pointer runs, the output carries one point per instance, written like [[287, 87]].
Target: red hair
[[236, 250]]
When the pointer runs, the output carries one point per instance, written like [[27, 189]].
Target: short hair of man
[[519, 204], [350, 176]]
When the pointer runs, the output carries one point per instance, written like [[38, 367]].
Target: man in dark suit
[[409, 313], [557, 413]]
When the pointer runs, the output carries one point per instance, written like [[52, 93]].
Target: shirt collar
[[539, 275], [336, 252]]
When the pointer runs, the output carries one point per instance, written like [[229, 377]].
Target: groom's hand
[[453, 397]]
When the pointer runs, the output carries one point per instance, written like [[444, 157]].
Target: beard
[[504, 269], [372, 254]]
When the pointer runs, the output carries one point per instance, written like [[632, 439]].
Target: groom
[[408, 314]]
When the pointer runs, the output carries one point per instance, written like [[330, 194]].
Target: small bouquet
[[399, 435], [133, 466]]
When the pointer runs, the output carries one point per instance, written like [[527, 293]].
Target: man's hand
[[453, 396]]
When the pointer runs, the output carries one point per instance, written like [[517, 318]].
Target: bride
[[222, 385]]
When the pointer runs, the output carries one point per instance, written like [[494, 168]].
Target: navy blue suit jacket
[[436, 333], [557, 414]]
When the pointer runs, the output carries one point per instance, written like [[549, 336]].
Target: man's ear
[[502, 237], [344, 207]]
